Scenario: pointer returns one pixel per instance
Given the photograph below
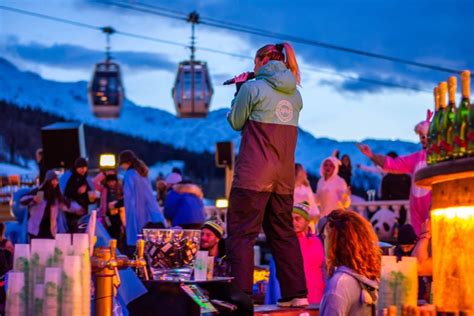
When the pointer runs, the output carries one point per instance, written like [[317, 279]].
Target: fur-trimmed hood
[[189, 188]]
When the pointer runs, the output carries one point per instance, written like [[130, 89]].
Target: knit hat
[[127, 156], [110, 177], [214, 226], [302, 209], [173, 178], [50, 175], [406, 235], [80, 162]]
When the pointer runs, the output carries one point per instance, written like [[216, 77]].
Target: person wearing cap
[[212, 233], [420, 198], [111, 210], [140, 204], [406, 241], [332, 191], [79, 189], [409, 245], [44, 204], [312, 250]]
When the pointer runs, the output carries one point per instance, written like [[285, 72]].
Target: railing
[[367, 208]]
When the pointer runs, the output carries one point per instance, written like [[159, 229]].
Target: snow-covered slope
[[7, 169], [69, 100]]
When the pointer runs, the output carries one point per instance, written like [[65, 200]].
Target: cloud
[[372, 85], [77, 57]]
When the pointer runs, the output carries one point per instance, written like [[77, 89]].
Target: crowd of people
[[322, 252], [125, 201]]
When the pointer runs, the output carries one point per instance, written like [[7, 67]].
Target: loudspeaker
[[62, 144], [224, 154]]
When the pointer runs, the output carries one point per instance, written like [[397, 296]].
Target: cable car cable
[[211, 50], [266, 33]]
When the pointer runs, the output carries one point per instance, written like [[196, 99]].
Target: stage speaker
[[224, 154], [63, 143]]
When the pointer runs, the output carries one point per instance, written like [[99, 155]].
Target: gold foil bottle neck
[[452, 83], [442, 89], [466, 83], [436, 98]]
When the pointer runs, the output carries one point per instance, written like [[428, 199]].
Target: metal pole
[[104, 286], [229, 175], [192, 66], [193, 18], [108, 30]]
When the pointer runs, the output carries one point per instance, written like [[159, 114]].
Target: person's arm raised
[[376, 158]]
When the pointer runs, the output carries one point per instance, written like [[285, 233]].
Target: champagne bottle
[[433, 149], [461, 119], [470, 132], [442, 89], [447, 122]]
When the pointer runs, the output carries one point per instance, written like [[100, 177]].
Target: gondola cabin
[[106, 92], [192, 90]]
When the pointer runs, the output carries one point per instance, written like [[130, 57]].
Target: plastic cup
[[200, 266], [92, 196]]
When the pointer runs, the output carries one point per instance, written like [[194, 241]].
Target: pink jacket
[[420, 198], [313, 260]]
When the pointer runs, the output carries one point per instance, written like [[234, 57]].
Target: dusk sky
[[439, 33]]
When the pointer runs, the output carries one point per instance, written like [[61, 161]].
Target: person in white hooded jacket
[[332, 192]]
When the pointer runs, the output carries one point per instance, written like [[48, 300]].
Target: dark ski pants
[[248, 211]]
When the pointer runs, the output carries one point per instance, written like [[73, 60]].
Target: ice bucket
[[170, 253]]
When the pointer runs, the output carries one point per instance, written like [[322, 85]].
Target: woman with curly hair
[[353, 262]]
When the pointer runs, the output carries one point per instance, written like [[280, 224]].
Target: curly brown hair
[[351, 242]]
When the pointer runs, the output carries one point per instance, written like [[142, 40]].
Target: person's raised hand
[[82, 189], [365, 149], [241, 78]]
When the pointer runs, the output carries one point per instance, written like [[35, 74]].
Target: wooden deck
[[273, 310]]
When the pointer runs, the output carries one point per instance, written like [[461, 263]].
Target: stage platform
[[273, 310]]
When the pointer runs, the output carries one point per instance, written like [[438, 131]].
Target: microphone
[[250, 75]]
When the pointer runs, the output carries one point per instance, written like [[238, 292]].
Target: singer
[[266, 110]]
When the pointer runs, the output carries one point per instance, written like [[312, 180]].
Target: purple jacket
[[37, 212]]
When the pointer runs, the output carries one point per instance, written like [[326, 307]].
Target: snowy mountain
[[69, 100]]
